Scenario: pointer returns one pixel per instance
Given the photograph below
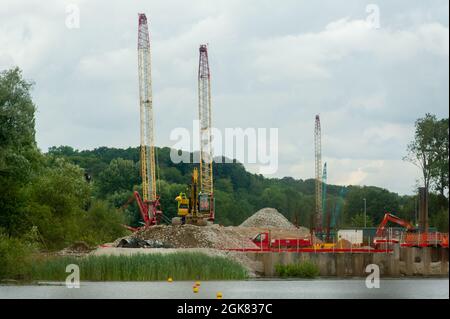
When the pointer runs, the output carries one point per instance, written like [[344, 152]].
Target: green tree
[[19, 156], [62, 150], [102, 223], [274, 197], [118, 176], [378, 202], [224, 208], [17, 135], [173, 175], [224, 184], [57, 200], [358, 221], [439, 170], [422, 150], [440, 221]]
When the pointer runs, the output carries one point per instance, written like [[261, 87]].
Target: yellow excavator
[[188, 207]]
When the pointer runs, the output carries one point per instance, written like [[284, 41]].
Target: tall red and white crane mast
[[149, 204], [318, 166], [206, 198]]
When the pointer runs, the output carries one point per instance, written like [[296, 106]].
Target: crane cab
[[183, 204]]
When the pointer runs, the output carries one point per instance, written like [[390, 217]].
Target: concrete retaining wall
[[428, 261]]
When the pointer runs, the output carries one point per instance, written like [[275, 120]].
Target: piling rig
[[149, 205], [206, 194], [198, 208], [318, 167]]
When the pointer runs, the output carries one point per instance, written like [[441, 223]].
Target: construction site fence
[[425, 239], [404, 240], [312, 250], [316, 247]]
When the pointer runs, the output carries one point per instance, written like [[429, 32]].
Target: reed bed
[[141, 267]]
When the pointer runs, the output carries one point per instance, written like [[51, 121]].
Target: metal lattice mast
[[146, 112], [324, 190], [318, 166], [204, 107]]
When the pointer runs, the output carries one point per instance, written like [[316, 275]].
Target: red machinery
[[382, 238], [149, 210], [412, 238], [264, 241]]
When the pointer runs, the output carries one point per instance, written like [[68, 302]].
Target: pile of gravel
[[191, 236], [268, 218]]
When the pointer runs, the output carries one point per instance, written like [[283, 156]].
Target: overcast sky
[[273, 63]]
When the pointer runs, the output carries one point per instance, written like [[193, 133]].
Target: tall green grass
[[141, 267], [306, 269]]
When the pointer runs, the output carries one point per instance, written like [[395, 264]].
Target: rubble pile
[[215, 236], [268, 218], [191, 236]]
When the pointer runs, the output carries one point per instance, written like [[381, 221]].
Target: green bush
[[102, 223], [306, 269], [15, 258]]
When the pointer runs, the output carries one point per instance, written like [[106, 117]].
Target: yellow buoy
[[195, 289], [219, 295], [169, 279]]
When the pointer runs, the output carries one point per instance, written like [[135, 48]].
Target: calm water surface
[[252, 289]]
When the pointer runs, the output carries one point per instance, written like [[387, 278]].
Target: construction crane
[[318, 166], [149, 205], [324, 189], [206, 194], [325, 223], [198, 208]]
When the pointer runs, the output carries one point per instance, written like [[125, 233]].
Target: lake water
[[251, 289]]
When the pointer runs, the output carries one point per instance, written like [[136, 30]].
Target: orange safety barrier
[[426, 239]]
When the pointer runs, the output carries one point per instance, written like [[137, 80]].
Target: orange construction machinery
[[412, 238]]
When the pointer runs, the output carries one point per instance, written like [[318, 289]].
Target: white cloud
[[309, 55], [272, 66]]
